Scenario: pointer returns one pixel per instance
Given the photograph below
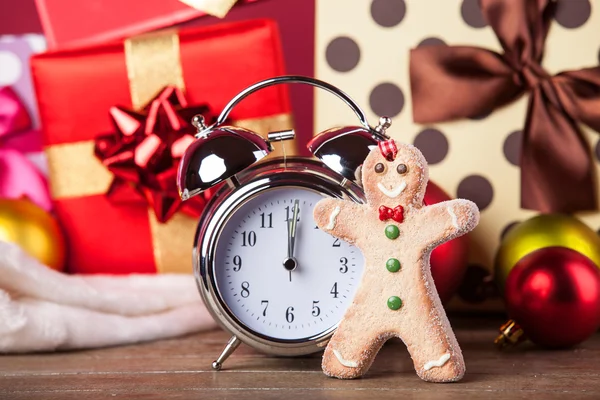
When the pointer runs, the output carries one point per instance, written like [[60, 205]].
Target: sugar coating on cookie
[[396, 296]]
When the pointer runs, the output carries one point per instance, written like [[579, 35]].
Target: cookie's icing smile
[[391, 193]]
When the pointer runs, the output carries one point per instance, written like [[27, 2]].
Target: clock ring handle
[[295, 79]]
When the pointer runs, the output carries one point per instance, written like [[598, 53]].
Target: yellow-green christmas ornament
[[543, 231]]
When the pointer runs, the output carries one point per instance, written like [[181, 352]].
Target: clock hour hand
[[290, 263]]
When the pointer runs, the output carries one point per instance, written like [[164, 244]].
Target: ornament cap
[[511, 334]]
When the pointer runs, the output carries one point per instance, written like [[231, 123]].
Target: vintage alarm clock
[[265, 271]]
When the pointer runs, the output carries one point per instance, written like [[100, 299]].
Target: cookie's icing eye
[[379, 168], [402, 169]]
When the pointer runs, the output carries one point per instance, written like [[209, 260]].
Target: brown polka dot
[[572, 13], [471, 14], [507, 228], [477, 285], [512, 147], [386, 99], [598, 150], [433, 144], [431, 41], [477, 189], [342, 54], [388, 13]]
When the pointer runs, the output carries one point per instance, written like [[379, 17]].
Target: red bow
[[396, 213], [144, 151], [388, 149]]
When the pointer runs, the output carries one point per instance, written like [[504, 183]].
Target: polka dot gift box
[[478, 157]]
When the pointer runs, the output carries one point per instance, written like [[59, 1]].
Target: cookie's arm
[[449, 219], [338, 217]]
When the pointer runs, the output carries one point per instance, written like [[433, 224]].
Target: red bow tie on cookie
[[396, 213]]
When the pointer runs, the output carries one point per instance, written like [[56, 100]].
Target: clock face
[[273, 295]]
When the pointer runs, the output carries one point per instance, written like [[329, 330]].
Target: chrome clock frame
[[293, 172]]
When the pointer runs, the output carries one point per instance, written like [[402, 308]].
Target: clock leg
[[233, 344]]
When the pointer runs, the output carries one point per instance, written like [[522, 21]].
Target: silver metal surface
[[233, 344], [344, 150], [281, 135], [199, 123], [217, 155], [294, 79], [296, 172], [384, 123]]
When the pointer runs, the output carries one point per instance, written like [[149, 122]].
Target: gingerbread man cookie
[[396, 297]]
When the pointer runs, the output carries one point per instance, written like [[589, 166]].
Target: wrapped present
[[112, 179], [65, 24], [19, 177], [15, 52], [502, 104], [23, 166]]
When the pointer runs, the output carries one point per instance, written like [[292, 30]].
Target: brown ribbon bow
[[451, 82], [144, 152]]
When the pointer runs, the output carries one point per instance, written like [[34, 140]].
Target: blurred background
[[506, 114]]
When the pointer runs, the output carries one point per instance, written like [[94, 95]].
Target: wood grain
[[180, 369]]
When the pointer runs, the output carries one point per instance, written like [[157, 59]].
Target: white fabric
[[43, 310]]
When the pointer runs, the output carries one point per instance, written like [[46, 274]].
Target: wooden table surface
[[180, 369]]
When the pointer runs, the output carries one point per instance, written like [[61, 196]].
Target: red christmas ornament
[[554, 295], [448, 261]]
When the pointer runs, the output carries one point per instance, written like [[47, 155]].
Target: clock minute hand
[[290, 262], [290, 252], [293, 226]]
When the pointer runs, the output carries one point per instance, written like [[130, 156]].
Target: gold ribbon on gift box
[[153, 62], [218, 8]]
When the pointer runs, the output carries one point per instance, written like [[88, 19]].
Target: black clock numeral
[[316, 311], [248, 238], [289, 213], [268, 218], [336, 243], [334, 291], [344, 267], [266, 304], [289, 314], [237, 261], [245, 289]]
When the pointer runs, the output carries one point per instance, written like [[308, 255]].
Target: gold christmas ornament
[[544, 231], [34, 230]]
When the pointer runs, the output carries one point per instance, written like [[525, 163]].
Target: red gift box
[[85, 22], [75, 90]]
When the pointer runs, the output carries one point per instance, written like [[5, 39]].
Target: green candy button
[[394, 303], [393, 265], [392, 232]]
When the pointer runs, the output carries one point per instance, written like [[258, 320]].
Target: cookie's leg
[[352, 348], [435, 351]]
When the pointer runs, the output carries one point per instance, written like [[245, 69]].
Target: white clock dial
[[265, 296]]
